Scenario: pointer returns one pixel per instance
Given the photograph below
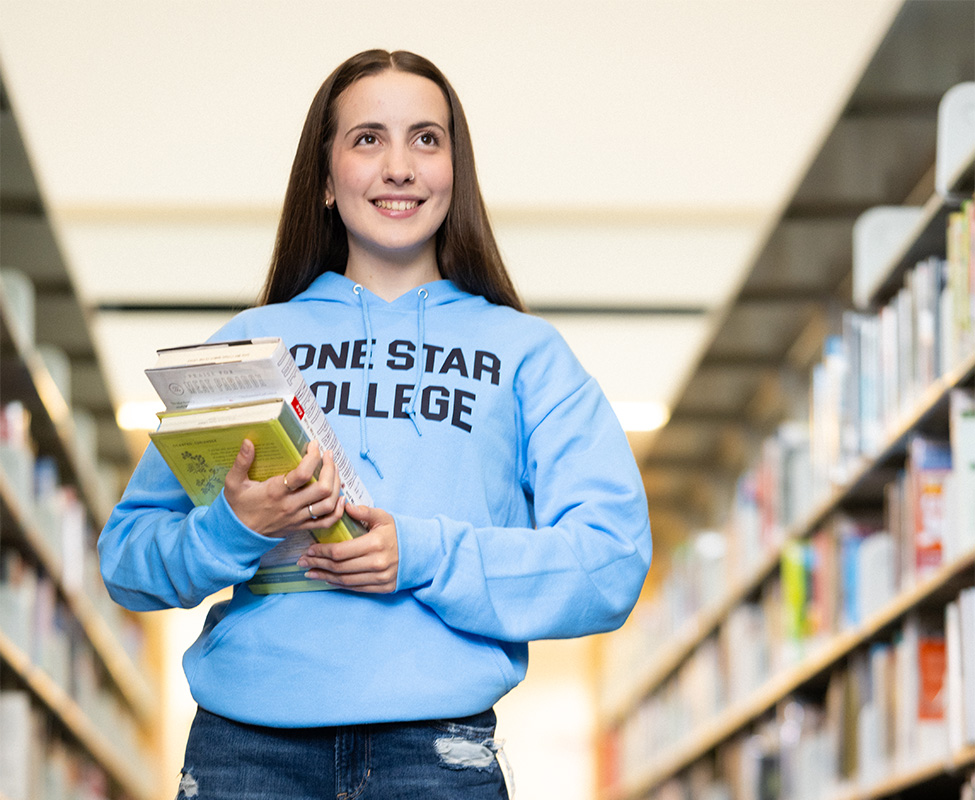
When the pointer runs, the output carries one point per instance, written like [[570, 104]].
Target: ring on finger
[[311, 513], [286, 486]]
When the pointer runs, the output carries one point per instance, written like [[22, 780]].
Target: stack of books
[[218, 394]]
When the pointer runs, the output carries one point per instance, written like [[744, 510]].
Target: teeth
[[396, 205]]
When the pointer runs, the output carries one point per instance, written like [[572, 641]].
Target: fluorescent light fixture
[[637, 416], [711, 545], [138, 415]]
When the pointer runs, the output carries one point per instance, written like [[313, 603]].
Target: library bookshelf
[[78, 701], [757, 667]]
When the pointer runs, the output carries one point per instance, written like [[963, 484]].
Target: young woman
[[507, 504]]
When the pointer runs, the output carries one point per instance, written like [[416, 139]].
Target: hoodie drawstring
[[363, 436], [422, 295]]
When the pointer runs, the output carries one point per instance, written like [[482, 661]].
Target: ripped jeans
[[434, 760]]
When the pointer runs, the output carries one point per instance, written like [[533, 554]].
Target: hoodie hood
[[335, 287]]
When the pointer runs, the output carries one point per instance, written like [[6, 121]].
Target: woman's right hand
[[286, 502]]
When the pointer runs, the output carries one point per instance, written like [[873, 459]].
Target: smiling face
[[391, 176]]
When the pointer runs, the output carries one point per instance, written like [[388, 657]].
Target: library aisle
[[813, 635], [807, 631]]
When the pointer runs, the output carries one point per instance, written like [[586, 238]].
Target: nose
[[398, 168]]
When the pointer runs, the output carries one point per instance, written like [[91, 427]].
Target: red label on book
[[297, 407]]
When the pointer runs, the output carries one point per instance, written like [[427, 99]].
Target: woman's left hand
[[368, 563]]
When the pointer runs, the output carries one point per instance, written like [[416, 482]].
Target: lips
[[396, 205]]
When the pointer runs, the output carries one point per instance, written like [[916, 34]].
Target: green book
[[200, 446]]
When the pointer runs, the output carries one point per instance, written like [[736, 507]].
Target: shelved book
[[929, 467], [217, 395], [960, 670], [960, 485]]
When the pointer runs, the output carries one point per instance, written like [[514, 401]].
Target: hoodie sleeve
[[581, 568], [158, 551]]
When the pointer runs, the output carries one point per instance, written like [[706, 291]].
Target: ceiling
[[633, 154]]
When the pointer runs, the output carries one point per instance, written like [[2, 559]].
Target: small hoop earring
[[329, 204]]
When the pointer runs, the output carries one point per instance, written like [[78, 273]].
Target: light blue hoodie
[[519, 509]]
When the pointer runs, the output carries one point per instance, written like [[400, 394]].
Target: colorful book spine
[[795, 593], [929, 465]]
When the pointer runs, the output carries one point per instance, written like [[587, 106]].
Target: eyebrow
[[379, 126]]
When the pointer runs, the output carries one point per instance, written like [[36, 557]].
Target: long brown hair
[[312, 240]]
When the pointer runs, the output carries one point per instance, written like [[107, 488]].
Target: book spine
[[954, 686], [319, 427], [961, 433], [958, 252], [966, 646], [970, 216], [929, 466]]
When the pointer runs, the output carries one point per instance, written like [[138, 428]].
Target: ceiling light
[[637, 416], [139, 415]]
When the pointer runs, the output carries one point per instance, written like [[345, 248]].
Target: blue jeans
[[435, 760]]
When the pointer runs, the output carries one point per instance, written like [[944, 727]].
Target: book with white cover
[[217, 373], [966, 618], [17, 742], [961, 495]]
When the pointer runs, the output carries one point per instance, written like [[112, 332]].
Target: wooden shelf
[[134, 780], [27, 377], [902, 780], [742, 713], [926, 237], [126, 676], [688, 639], [706, 622]]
